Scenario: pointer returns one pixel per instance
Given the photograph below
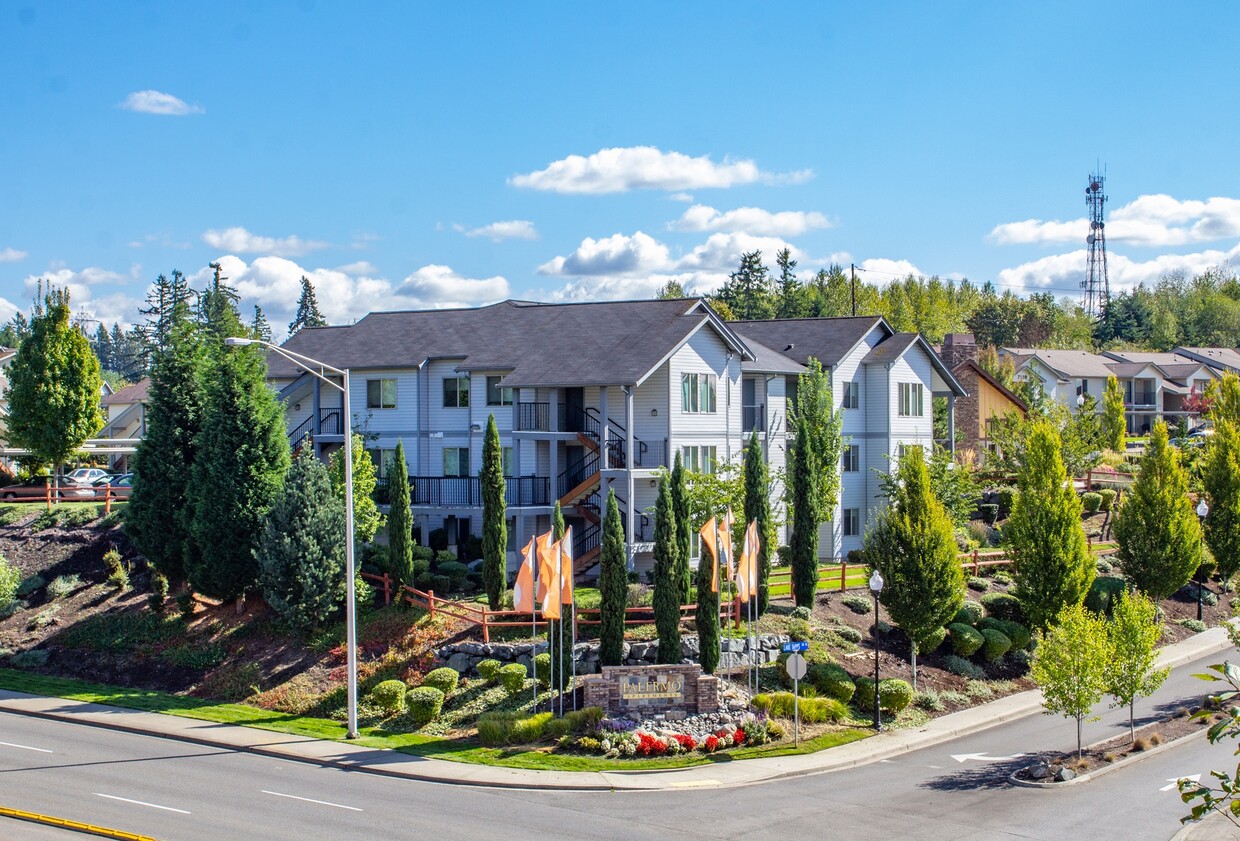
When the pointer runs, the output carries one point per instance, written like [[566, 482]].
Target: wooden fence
[[106, 495]]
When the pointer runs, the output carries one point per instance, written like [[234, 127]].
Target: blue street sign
[[789, 647]]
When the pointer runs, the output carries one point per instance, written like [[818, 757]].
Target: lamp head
[[876, 582], [1202, 509], [237, 341]]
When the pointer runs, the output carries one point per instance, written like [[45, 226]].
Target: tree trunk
[[913, 662], [1078, 736], [1132, 730], [240, 604]]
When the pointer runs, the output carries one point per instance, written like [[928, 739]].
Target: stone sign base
[[643, 691]]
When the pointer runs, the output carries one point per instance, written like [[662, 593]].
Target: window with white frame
[[456, 392], [456, 461], [852, 458], [496, 395], [697, 393], [507, 456], [699, 459], [852, 522], [911, 400], [381, 394], [852, 395], [384, 461]]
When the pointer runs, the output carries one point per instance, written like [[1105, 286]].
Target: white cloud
[[616, 254], [619, 170], [684, 197], [881, 271], [1063, 273], [1149, 221], [8, 309], [438, 287], [157, 102], [240, 241], [752, 220], [500, 231], [88, 292], [12, 255]]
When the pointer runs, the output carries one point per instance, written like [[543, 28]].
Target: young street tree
[[494, 525], [400, 518], [758, 508], [684, 539], [1070, 665], [1113, 426], [242, 456], [1157, 530], [1221, 480], [301, 549], [1044, 536], [366, 517], [1130, 674], [666, 586], [804, 542], [308, 314], [613, 586], [914, 547], [54, 385]]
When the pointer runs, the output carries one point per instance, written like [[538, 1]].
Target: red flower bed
[[711, 744], [686, 741], [650, 746]]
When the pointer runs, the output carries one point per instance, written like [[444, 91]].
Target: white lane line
[[24, 747], [141, 803], [309, 800]]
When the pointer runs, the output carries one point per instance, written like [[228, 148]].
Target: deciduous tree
[[1134, 630], [1070, 665], [1221, 480]]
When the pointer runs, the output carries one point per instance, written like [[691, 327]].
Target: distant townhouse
[[988, 399], [125, 413]]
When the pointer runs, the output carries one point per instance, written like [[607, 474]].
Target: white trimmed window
[[911, 400], [507, 456], [852, 459], [456, 461], [383, 460], [381, 394], [852, 522], [697, 393], [497, 396], [852, 395], [456, 392], [699, 459]]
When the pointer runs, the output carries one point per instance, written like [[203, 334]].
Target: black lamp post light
[[1203, 511], [876, 587]]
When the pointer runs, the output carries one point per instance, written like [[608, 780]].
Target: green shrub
[[1108, 498], [1007, 497], [424, 581], [488, 670], [530, 729], [931, 643], [512, 677], [542, 669], [441, 584], [962, 667], [1091, 502], [1021, 659], [851, 634], [33, 659], [1017, 633], [584, 720], [857, 604], [1194, 625], [1002, 577], [424, 704], [997, 644], [159, 592], [43, 618], [1104, 593], [894, 695], [813, 710], [952, 697], [1003, 606], [29, 584], [800, 613], [831, 681], [969, 614], [929, 701], [444, 679], [63, 585], [558, 728], [979, 689], [457, 574], [799, 630], [389, 696], [495, 728], [118, 579], [10, 582], [965, 640], [989, 512], [1103, 566], [978, 584], [185, 604]]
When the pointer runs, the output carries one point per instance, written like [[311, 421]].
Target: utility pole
[[852, 270]]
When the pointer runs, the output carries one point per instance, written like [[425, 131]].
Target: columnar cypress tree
[[914, 547], [613, 586], [1113, 426], [400, 519], [557, 522], [758, 508], [1221, 478], [707, 617], [667, 589], [684, 541], [1051, 561], [804, 542], [243, 454], [494, 526], [1156, 528], [301, 549]]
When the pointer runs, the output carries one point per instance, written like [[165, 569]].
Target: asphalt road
[[180, 792]]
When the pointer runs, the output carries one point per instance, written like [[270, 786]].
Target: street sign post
[[791, 647], [795, 666]]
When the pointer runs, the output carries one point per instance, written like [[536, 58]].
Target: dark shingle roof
[[889, 350], [769, 361], [825, 339], [132, 393], [614, 342], [1128, 369]]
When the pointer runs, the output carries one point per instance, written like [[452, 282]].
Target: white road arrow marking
[[1176, 782], [982, 757]]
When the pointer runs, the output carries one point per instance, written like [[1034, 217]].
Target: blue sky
[[409, 155]]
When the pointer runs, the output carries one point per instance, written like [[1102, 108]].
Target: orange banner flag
[[549, 579], [747, 566], [725, 544], [523, 588], [566, 567], [542, 545], [710, 534]]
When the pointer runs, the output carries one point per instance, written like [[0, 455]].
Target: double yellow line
[[101, 831]]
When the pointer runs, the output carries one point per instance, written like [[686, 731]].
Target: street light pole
[[1203, 511], [876, 587], [350, 605]]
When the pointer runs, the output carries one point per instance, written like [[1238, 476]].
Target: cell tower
[[1096, 284]]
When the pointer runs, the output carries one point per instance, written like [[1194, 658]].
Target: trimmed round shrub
[[831, 681], [969, 614], [800, 613], [997, 644], [962, 667], [1003, 606], [857, 604], [978, 584], [1103, 566], [542, 669], [989, 512], [1104, 593], [1006, 497], [1108, 498], [424, 581], [851, 634], [931, 642], [863, 696], [1014, 631], [444, 679], [441, 584], [424, 704], [488, 670], [389, 695], [1002, 577], [894, 695], [1091, 502], [457, 573], [512, 677], [965, 640]]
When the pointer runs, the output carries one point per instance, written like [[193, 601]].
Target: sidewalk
[[712, 775]]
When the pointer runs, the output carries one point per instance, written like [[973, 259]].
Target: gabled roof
[[606, 343], [132, 393], [890, 349], [998, 386], [1158, 358], [769, 361], [826, 339], [1219, 357], [1125, 370], [1067, 364]]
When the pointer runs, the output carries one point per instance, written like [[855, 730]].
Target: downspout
[[631, 502], [727, 414]]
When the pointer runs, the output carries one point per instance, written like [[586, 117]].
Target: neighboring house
[[884, 382], [1218, 358], [988, 399], [6, 357], [125, 411]]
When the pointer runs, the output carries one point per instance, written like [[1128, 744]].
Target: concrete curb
[[1105, 769], [75, 826]]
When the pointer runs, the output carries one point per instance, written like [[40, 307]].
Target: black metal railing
[[466, 491], [575, 474], [586, 540], [331, 421], [643, 529], [533, 417], [301, 431], [648, 455], [525, 491], [753, 417]]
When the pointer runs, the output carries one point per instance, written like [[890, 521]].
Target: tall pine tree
[[667, 588], [758, 508], [400, 518], [747, 292], [684, 539], [217, 308], [613, 586], [804, 543], [260, 327], [494, 525], [308, 314]]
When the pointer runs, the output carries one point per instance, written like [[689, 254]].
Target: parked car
[[87, 475], [36, 488], [120, 486]]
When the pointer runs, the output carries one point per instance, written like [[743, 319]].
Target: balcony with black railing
[[466, 491], [753, 417], [331, 421], [647, 455]]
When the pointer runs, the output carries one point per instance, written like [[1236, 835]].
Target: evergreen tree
[[494, 524], [758, 508], [217, 308], [804, 543], [54, 385], [666, 586], [1157, 530], [101, 344], [613, 586], [1070, 664], [400, 518], [792, 300], [366, 517], [684, 539], [670, 290], [260, 328], [167, 302], [706, 618], [158, 516], [748, 291], [1134, 632], [914, 547], [1044, 537], [1221, 480], [822, 428], [301, 550], [242, 456], [1113, 425], [308, 314], [557, 522]]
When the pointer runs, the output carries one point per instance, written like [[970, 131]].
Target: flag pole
[[534, 634], [573, 655]]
